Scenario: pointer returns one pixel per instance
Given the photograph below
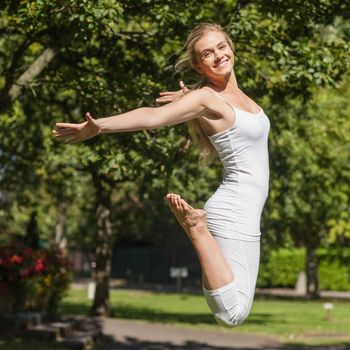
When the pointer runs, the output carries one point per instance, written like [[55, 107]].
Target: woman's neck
[[228, 84]]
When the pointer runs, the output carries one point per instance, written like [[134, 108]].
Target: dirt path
[[138, 335]]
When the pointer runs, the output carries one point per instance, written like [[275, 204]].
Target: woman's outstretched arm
[[189, 107]]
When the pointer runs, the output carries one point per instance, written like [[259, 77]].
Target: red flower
[[39, 265], [16, 259]]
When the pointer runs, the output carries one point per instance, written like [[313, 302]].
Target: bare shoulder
[[203, 96], [200, 93], [212, 101]]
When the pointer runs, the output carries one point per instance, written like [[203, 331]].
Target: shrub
[[282, 267], [333, 269], [33, 279]]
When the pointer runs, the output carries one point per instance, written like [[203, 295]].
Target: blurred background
[[94, 212]]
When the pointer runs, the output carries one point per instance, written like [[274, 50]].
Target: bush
[[282, 267], [33, 279], [333, 270]]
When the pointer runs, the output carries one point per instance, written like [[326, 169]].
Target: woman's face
[[214, 55]]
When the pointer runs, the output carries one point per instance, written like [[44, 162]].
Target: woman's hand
[[172, 96], [73, 133]]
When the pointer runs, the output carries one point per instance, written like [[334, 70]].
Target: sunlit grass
[[291, 320]]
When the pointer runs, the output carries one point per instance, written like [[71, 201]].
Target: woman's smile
[[221, 63]]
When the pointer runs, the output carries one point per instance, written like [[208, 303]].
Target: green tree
[[106, 57], [310, 191], [97, 53]]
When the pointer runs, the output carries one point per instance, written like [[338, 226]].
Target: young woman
[[226, 234]]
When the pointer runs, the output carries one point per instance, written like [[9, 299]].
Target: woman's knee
[[231, 318], [228, 308]]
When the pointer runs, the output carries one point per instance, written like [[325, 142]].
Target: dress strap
[[218, 95]]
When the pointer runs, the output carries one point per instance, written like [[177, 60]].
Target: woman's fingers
[[165, 99], [172, 96], [185, 89], [165, 93], [72, 132], [66, 129], [64, 132], [166, 96], [67, 125], [59, 136]]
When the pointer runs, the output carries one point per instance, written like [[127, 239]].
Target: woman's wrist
[[100, 126]]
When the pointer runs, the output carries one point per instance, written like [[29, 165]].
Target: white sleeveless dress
[[234, 211]]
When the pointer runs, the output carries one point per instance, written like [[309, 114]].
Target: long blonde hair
[[187, 62]]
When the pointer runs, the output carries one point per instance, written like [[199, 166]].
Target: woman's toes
[[186, 205]]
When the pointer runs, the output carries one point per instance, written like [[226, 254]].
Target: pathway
[[139, 335]]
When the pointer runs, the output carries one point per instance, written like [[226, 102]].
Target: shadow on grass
[[344, 346], [133, 343], [132, 313], [148, 314]]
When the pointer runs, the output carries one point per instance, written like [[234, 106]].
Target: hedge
[[281, 268]]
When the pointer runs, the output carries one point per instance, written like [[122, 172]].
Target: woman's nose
[[218, 56]]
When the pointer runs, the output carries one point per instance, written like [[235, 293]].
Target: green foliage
[[334, 276], [283, 266], [310, 168], [334, 269], [114, 56]]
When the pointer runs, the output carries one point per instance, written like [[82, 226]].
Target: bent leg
[[215, 268], [229, 266], [231, 304]]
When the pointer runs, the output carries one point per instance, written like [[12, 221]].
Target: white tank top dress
[[234, 210]]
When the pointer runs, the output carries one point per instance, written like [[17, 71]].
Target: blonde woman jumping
[[226, 233]]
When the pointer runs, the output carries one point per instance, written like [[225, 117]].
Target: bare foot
[[193, 221]]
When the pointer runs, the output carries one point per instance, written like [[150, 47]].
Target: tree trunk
[[104, 248], [32, 238], [312, 271], [60, 237]]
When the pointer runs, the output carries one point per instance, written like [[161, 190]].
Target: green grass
[[298, 321]]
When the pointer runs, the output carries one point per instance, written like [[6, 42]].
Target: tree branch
[[32, 72]]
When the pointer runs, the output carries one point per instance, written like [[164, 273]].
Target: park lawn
[[291, 320]]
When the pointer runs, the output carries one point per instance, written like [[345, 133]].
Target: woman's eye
[[222, 47], [206, 54]]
